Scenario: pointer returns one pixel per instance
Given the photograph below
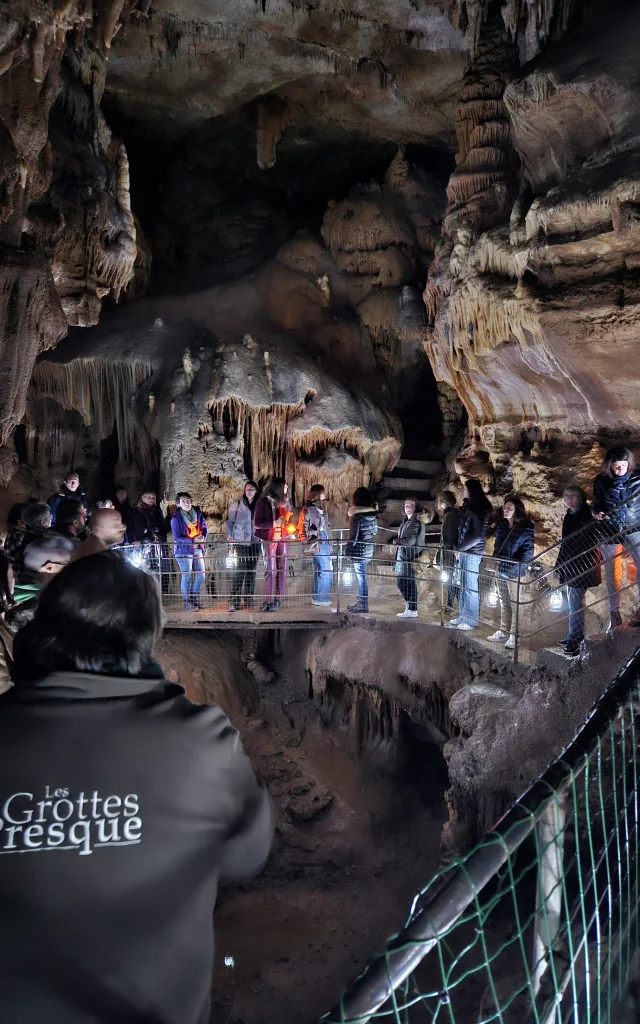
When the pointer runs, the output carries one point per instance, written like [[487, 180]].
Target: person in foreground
[[143, 799]]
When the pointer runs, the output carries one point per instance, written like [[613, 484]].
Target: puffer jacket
[[62, 494], [579, 561], [360, 546], [184, 546], [313, 522], [240, 522], [515, 543], [472, 530], [610, 492], [408, 542]]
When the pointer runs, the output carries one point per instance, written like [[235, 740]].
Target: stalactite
[[273, 117], [339, 473]]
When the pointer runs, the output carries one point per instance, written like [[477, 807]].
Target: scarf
[[191, 521]]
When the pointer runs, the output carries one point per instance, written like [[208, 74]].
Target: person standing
[[360, 546], [448, 508], [146, 799], [146, 526], [472, 532], [189, 529], [270, 520], [7, 584], [71, 520], [514, 540], [314, 528], [618, 485], [106, 530], [70, 488], [246, 547], [122, 504], [578, 563], [409, 544]]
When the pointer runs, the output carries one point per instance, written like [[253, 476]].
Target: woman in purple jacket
[[189, 529]]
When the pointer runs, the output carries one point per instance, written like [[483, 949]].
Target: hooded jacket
[[141, 801], [360, 546], [313, 522], [62, 495]]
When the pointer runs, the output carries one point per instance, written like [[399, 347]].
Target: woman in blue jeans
[[189, 529], [473, 524], [313, 527], [360, 546]]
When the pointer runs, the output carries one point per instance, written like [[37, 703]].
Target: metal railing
[[538, 924]]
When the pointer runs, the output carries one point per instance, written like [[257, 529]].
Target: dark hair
[[100, 614], [34, 513], [72, 472], [68, 511], [275, 488], [619, 453], [14, 515], [521, 511], [575, 489], [363, 497], [252, 503], [121, 487], [478, 501], [182, 494], [449, 498], [6, 598], [315, 491], [415, 501]]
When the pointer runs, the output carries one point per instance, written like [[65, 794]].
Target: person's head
[[513, 508], [574, 496], [148, 499], [105, 503], [121, 493], [36, 516], [618, 461], [100, 615], [411, 507], [362, 498], [72, 481], [48, 556], [475, 495], [106, 524], [70, 513], [7, 582], [183, 501], [447, 500], [250, 491], [277, 488], [14, 515], [316, 493]]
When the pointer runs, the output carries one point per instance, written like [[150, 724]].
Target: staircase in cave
[[413, 478]]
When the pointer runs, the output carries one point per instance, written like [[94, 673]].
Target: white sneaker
[[511, 643], [320, 604], [499, 637], [407, 614], [455, 622], [465, 625]]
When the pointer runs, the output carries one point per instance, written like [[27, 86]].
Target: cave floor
[[339, 882]]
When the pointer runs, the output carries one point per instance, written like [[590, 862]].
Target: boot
[[615, 619], [358, 607]]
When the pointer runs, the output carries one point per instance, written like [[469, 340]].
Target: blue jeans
[[610, 552], [360, 569], [191, 575], [576, 612], [469, 600], [322, 573]]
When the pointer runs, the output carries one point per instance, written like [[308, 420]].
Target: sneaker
[[465, 626], [615, 619], [355, 608], [188, 607], [511, 643], [456, 621], [407, 614], [572, 649], [499, 637], [232, 607], [275, 606], [266, 606], [195, 603], [563, 642], [320, 604]]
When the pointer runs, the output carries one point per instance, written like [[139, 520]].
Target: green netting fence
[[538, 923]]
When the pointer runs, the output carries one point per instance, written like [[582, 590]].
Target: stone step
[[408, 484]]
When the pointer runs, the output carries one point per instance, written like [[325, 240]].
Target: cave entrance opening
[[419, 410]]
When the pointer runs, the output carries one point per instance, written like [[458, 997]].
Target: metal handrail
[[468, 876], [591, 527]]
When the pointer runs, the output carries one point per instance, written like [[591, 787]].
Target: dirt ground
[[354, 844]]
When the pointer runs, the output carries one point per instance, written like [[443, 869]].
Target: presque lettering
[[60, 820]]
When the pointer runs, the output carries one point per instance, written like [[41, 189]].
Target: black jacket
[[364, 526], [611, 491], [450, 528], [146, 525], [144, 800], [514, 542], [579, 561], [410, 540], [472, 530]]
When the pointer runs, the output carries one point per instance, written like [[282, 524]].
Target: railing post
[[442, 584], [339, 565], [549, 889], [516, 649]]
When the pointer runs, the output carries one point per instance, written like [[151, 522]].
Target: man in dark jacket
[[409, 543], [71, 520], [448, 508], [70, 488], [578, 563], [144, 799], [360, 544]]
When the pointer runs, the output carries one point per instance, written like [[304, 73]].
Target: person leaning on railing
[[472, 532], [616, 502], [360, 545], [409, 544], [578, 563], [514, 540]]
